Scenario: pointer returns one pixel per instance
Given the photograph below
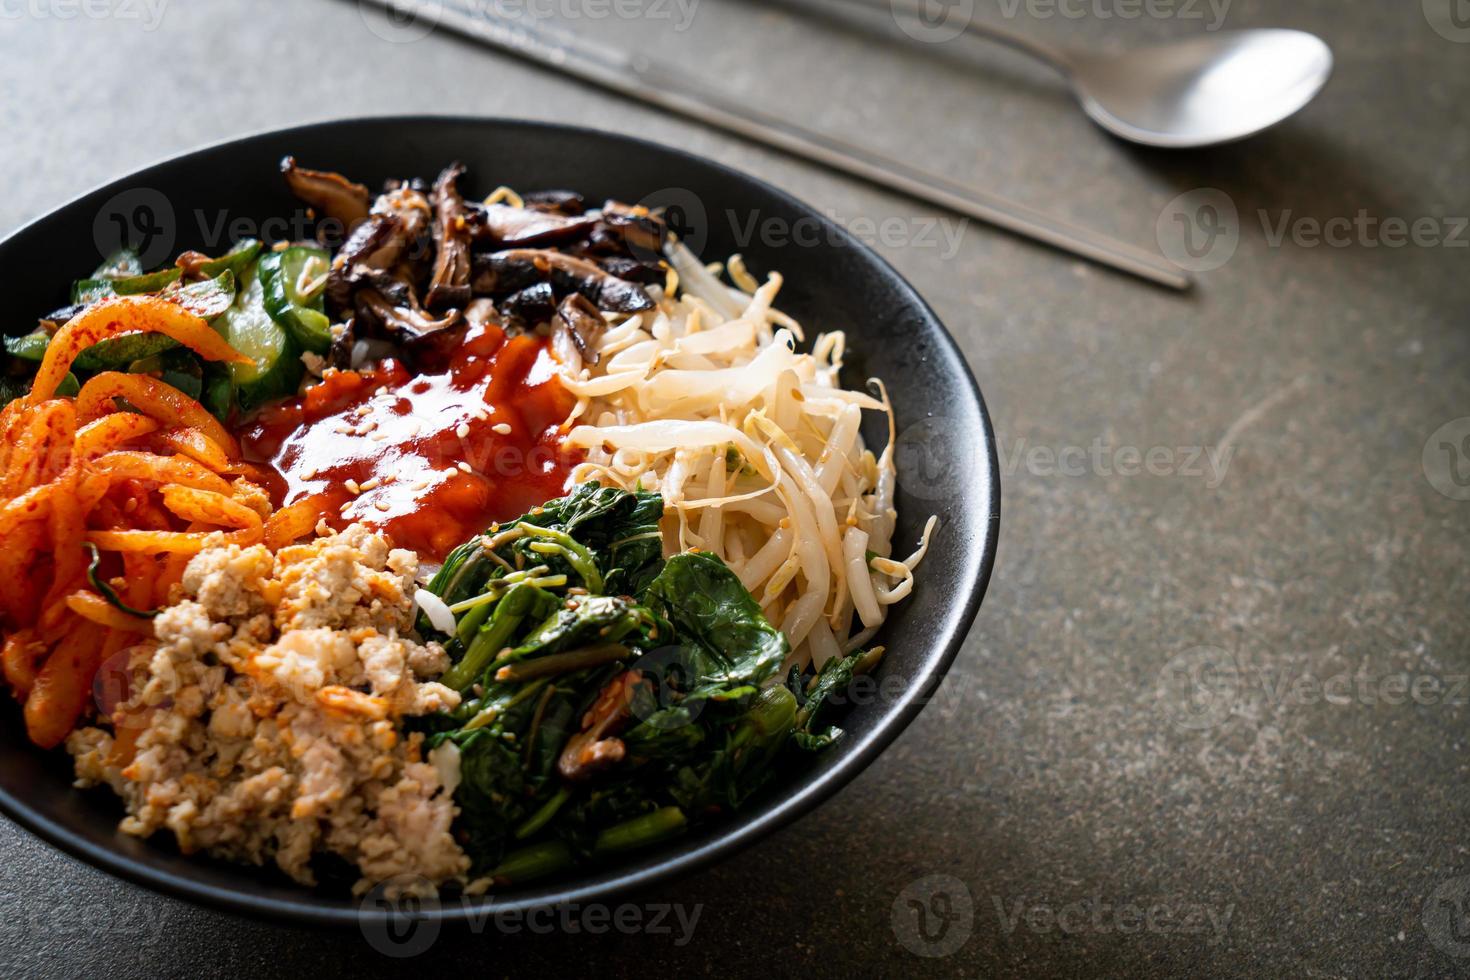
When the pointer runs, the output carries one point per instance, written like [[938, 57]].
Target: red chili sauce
[[425, 457]]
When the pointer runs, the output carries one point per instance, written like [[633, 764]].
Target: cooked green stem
[[575, 553], [534, 861], [496, 587], [650, 828], [539, 819], [492, 637], [561, 663], [539, 860]]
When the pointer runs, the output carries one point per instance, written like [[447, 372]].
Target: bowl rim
[[660, 866]]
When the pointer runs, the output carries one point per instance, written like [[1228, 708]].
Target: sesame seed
[[462, 430], [381, 505], [369, 484], [463, 466], [419, 485], [501, 427], [353, 488]]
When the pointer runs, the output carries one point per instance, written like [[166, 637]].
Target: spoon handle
[[922, 11], [636, 78]]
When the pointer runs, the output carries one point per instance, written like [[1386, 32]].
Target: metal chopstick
[[635, 77]]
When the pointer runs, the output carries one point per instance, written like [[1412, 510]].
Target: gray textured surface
[[1324, 838]]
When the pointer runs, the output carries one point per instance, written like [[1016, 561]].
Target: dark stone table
[[1259, 487]]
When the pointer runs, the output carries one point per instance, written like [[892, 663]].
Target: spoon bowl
[[1192, 92], [1200, 91]]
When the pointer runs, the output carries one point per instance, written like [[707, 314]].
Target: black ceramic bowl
[[946, 454]]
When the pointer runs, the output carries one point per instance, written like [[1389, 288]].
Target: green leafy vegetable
[[610, 697], [707, 605]]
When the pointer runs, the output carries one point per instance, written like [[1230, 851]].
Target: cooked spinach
[[610, 697]]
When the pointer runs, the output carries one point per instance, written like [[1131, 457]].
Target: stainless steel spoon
[[1198, 91]]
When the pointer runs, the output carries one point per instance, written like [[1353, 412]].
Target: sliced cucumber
[[207, 298], [92, 290], [30, 347], [218, 394], [178, 367], [275, 369], [236, 260], [119, 265], [293, 280], [119, 351]]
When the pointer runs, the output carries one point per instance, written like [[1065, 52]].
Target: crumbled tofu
[[264, 723]]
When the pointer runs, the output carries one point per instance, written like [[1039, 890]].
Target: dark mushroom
[[567, 273], [503, 226], [532, 305], [594, 747], [390, 236], [56, 319], [339, 355], [647, 273], [405, 322], [330, 193], [580, 319], [494, 275], [638, 227], [450, 284], [556, 202]]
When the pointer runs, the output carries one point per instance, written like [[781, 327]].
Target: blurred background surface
[[1266, 471]]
